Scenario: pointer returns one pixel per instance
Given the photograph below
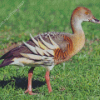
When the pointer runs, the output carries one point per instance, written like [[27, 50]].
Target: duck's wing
[[43, 49]]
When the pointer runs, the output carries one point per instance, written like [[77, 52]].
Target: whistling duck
[[50, 49]]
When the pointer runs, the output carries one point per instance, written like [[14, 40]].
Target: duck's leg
[[47, 78], [29, 87]]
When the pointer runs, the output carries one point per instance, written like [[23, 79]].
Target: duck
[[51, 48]]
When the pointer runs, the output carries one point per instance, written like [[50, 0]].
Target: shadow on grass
[[21, 83]]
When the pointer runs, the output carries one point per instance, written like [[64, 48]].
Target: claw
[[30, 92]]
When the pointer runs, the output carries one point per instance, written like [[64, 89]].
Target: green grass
[[76, 79]]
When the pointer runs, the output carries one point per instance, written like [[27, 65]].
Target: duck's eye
[[86, 13]]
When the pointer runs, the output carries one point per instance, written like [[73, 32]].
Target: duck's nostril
[[96, 20]]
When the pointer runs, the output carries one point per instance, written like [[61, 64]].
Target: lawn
[[76, 79]]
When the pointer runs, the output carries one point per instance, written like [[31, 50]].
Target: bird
[[51, 48]]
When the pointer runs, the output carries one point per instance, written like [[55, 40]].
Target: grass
[[76, 79]]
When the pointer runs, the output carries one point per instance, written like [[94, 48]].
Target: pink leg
[[48, 81], [29, 87]]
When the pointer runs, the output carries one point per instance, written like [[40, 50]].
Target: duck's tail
[[5, 63]]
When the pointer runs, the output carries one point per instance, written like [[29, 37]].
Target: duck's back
[[61, 52]]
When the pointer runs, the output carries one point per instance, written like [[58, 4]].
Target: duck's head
[[83, 14]]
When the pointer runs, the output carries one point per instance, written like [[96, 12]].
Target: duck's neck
[[78, 34], [76, 26]]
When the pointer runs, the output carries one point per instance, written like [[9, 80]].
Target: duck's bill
[[95, 21]]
